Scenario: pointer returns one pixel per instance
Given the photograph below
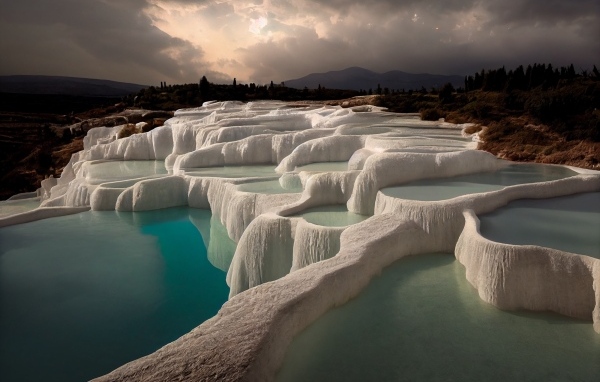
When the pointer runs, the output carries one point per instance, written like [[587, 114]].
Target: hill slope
[[66, 86], [359, 78]]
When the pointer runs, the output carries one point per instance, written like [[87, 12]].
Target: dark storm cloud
[[451, 37], [109, 39], [345, 6], [544, 11], [120, 39]]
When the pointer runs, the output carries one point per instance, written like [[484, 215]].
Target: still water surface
[[422, 321], [81, 295]]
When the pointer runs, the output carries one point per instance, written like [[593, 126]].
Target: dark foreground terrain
[[39, 133]]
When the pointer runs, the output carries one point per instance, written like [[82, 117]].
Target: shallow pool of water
[[324, 166], [448, 188], [422, 321], [81, 295], [331, 216], [12, 207], [257, 171], [569, 223], [268, 187], [120, 170]]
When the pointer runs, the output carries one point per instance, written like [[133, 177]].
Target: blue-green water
[[12, 207], [111, 171], [422, 321], [331, 216], [324, 166], [569, 223], [448, 188], [83, 294], [252, 171], [268, 187]]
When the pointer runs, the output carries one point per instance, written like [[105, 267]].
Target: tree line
[[521, 78], [172, 97]]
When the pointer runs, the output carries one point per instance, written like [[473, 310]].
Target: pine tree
[[204, 87], [446, 93]]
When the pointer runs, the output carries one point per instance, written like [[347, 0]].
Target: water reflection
[[83, 294], [420, 321]]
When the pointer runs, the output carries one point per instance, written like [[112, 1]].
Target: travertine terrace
[[286, 271]]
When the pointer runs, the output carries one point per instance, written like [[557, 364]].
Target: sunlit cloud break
[[148, 41], [256, 25]]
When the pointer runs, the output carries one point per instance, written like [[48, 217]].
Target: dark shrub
[[431, 114]]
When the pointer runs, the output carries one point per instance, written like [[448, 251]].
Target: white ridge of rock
[[314, 243], [327, 149], [385, 169], [272, 234], [513, 277], [444, 220], [100, 135]]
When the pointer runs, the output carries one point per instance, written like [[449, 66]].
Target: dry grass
[[517, 140], [127, 131], [62, 154], [470, 129]]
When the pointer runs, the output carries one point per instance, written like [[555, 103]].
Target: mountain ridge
[[63, 85], [358, 78]]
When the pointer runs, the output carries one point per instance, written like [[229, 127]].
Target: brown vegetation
[[31, 151], [128, 130], [516, 139], [557, 123]]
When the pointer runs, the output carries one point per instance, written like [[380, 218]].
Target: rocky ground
[[34, 146], [521, 140]]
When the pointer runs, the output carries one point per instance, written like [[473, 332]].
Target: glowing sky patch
[[257, 25], [147, 41]]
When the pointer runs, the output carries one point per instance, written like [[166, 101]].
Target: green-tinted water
[[324, 166], [569, 223], [422, 321], [12, 207], [448, 188], [331, 216], [258, 171], [120, 170], [83, 294], [268, 187]]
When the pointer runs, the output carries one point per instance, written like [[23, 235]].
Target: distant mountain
[[359, 78], [66, 86]]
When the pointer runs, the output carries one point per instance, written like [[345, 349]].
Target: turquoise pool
[[83, 294]]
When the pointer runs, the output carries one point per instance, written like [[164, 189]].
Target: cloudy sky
[[148, 41]]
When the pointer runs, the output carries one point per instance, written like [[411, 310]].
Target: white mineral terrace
[[267, 170]]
